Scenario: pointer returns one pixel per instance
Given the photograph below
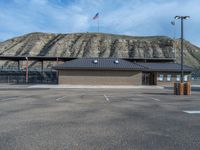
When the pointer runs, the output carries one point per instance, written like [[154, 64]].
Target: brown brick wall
[[104, 77]]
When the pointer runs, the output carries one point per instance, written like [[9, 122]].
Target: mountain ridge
[[98, 45]]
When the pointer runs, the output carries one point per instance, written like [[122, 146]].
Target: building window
[[185, 78], [178, 77], [169, 77], [160, 77]]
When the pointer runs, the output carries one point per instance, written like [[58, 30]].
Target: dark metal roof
[[165, 67], [55, 58], [167, 60], [111, 64], [37, 58], [99, 64]]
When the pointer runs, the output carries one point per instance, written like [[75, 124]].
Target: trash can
[[178, 88], [175, 88], [181, 88], [187, 88]]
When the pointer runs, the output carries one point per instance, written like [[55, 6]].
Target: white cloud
[[134, 17]]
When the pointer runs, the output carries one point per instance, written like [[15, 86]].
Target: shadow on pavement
[[169, 93], [194, 89]]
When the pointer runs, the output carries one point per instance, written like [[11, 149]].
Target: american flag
[[96, 16], [173, 23]]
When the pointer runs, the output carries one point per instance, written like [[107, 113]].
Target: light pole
[[174, 38], [182, 18]]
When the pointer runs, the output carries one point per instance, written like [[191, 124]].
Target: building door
[[149, 78], [153, 78], [145, 78]]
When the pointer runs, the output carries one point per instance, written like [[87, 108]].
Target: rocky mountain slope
[[98, 45]]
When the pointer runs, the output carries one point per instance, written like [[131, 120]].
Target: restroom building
[[116, 71]]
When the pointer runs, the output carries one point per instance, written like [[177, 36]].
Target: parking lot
[[98, 119]]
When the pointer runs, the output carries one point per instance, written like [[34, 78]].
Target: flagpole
[[98, 23], [96, 18], [174, 38]]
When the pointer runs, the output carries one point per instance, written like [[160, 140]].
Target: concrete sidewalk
[[14, 86], [68, 86]]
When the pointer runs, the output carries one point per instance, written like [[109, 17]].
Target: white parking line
[[139, 95], [60, 98], [155, 99], [107, 99], [11, 98], [192, 111]]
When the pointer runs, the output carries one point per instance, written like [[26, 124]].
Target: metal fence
[[35, 77], [196, 75]]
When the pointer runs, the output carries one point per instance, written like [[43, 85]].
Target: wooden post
[[26, 69], [42, 69], [42, 66], [18, 64]]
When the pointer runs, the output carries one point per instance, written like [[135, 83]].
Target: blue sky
[[130, 17]]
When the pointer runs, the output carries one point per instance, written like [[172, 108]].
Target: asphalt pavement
[[98, 119]]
